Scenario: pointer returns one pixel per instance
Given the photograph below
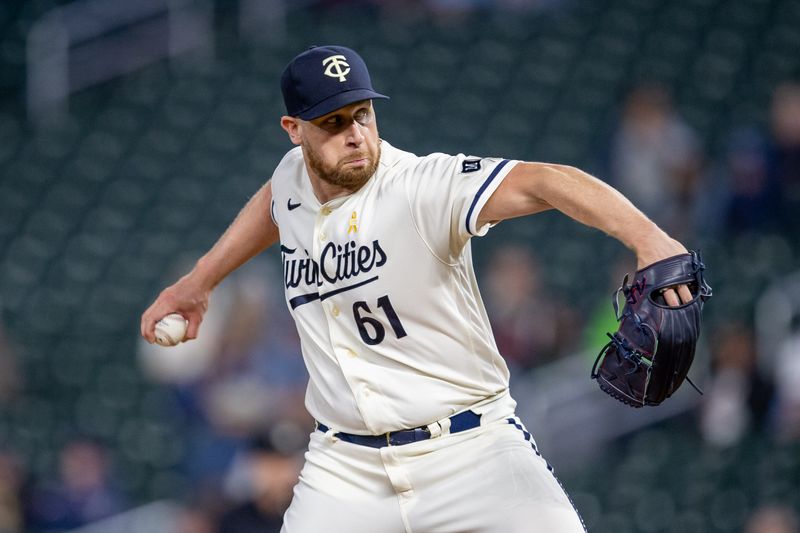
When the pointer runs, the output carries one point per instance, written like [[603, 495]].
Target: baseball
[[171, 329]]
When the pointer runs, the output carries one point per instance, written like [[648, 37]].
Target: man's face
[[342, 147]]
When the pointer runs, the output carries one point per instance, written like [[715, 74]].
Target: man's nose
[[354, 134]]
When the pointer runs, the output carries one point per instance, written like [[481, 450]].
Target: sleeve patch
[[470, 165], [479, 195]]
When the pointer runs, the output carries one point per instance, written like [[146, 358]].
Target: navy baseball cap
[[323, 79]]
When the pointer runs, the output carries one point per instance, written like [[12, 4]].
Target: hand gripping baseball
[[186, 298], [649, 356]]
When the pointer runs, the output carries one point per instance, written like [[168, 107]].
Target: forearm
[[251, 232], [534, 187], [596, 204]]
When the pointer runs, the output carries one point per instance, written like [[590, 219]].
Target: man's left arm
[[535, 187]]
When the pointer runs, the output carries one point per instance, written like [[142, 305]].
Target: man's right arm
[[251, 232]]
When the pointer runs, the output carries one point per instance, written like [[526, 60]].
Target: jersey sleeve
[[447, 194], [280, 181]]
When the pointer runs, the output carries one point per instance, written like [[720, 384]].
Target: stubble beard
[[351, 179]]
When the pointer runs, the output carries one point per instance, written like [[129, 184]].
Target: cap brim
[[338, 101]]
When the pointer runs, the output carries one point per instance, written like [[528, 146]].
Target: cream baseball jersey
[[381, 286]]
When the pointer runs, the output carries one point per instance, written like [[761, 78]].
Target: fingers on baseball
[[157, 310], [194, 326], [148, 325]]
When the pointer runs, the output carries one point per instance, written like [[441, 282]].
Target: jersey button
[[335, 311], [351, 353], [322, 236], [326, 211]]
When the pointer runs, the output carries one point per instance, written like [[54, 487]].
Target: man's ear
[[292, 127]]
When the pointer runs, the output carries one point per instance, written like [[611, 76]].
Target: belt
[[460, 422]]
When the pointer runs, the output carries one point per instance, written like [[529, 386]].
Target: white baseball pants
[[490, 479]]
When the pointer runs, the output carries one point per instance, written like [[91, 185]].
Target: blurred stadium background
[[130, 135]]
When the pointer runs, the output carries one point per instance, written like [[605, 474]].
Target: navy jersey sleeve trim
[[480, 192], [272, 212]]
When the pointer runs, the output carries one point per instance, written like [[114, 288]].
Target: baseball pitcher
[[415, 429]]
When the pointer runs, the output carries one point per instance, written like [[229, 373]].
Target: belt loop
[[445, 425], [435, 429], [331, 435], [388, 438]]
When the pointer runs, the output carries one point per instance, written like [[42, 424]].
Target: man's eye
[[362, 117]]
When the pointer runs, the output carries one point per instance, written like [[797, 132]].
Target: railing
[[161, 516], [571, 418], [91, 41]]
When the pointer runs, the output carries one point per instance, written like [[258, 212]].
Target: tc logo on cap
[[337, 67], [308, 94]]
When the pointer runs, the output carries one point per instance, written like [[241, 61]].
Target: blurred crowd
[[751, 185], [449, 7], [237, 393], [241, 405]]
